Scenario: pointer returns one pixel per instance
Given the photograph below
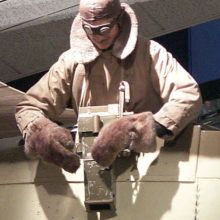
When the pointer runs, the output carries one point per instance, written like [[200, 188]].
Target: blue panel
[[205, 51]]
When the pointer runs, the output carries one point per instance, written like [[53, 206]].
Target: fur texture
[[134, 131], [52, 143]]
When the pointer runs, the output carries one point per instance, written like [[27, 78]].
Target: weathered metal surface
[[99, 187], [99, 182]]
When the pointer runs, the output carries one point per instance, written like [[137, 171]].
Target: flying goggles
[[102, 29]]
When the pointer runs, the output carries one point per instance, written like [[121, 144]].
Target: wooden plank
[[10, 97], [2, 84]]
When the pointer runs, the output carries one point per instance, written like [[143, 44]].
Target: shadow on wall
[[58, 198]]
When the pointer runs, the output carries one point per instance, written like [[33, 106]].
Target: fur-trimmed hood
[[84, 50]]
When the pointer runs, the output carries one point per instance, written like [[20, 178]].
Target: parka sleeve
[[49, 96], [179, 91]]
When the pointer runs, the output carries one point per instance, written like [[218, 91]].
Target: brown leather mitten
[[136, 132], [52, 143]]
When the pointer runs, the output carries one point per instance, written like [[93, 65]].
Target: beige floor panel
[[156, 201], [60, 201], [41, 202], [208, 199], [209, 155]]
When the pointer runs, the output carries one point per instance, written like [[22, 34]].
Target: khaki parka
[[158, 83]]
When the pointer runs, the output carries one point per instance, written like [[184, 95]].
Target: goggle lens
[[104, 30], [101, 30]]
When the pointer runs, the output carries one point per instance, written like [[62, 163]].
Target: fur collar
[[83, 49]]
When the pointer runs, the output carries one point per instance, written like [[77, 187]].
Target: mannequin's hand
[[52, 143], [136, 132]]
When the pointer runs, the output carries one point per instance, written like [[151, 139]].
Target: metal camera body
[[99, 181]]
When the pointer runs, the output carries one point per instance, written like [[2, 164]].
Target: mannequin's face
[[105, 41]]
